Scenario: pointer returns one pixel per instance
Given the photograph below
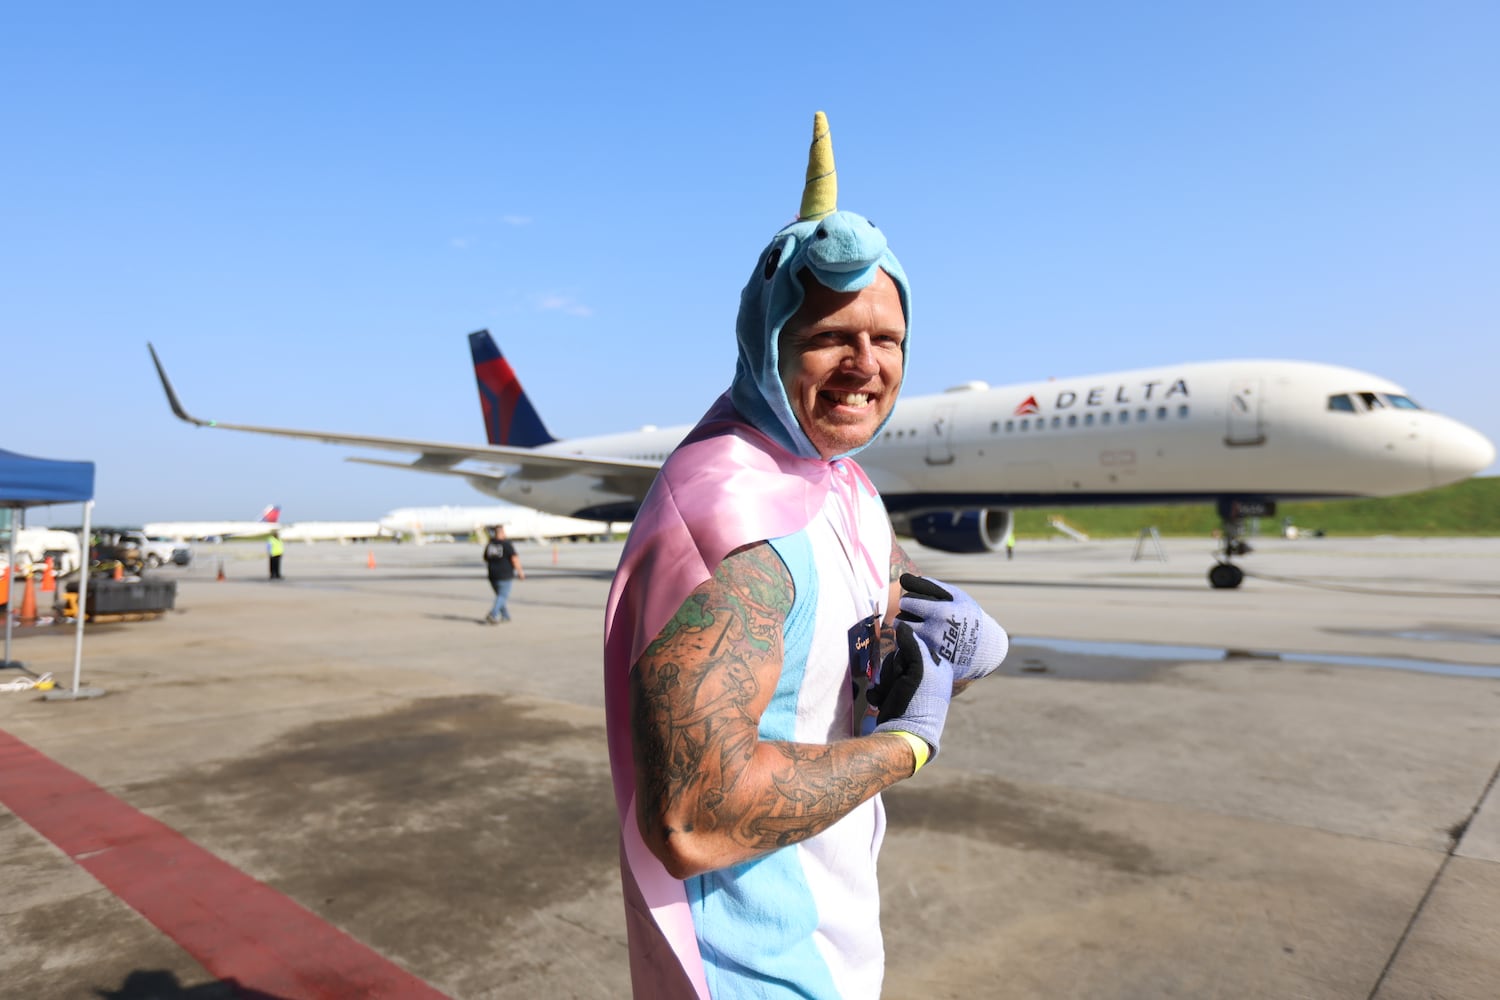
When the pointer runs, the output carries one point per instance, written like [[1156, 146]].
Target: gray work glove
[[959, 631], [913, 690]]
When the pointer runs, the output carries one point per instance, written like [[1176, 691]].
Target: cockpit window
[[1358, 402], [1341, 402]]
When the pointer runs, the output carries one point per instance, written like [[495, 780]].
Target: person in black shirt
[[505, 569]]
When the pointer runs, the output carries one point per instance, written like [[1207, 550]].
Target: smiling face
[[840, 360]]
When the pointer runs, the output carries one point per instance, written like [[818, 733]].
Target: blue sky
[[306, 207]]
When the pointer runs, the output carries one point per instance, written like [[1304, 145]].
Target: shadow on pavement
[[160, 984]]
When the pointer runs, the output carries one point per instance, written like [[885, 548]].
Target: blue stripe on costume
[[756, 920], [779, 721]]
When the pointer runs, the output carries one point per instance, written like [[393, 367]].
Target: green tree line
[[1469, 508]]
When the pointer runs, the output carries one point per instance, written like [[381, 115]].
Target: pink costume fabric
[[727, 485]]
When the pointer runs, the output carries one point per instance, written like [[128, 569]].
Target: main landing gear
[[1225, 575]]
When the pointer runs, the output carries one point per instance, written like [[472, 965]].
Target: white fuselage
[[420, 523], [330, 531], [300, 531], [1185, 432], [194, 531]]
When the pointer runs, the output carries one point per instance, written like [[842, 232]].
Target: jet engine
[[965, 531]]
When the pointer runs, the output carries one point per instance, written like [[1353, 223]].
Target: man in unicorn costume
[[743, 625]]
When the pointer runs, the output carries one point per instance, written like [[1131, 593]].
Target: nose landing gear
[[1225, 575]]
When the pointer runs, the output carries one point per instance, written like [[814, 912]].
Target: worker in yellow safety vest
[[274, 548]]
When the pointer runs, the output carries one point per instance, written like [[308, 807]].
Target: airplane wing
[[445, 458]]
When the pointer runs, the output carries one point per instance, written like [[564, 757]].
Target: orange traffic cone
[[28, 601], [5, 588], [119, 573], [221, 571], [370, 560], [49, 579]]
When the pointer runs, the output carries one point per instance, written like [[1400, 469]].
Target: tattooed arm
[[710, 792], [900, 563]]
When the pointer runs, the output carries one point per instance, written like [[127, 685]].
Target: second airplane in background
[[951, 467]]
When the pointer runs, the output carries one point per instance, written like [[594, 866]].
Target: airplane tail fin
[[509, 417], [272, 514]]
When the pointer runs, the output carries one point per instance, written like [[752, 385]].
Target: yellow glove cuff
[[919, 748]]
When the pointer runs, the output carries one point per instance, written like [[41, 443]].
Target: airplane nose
[[1458, 453]]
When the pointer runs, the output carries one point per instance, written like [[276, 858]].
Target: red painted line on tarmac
[[236, 927]]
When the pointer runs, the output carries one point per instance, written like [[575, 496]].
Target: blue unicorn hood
[[842, 251]]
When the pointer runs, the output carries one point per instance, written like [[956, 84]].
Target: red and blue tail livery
[[509, 417]]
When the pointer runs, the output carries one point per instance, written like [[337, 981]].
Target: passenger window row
[[1104, 418]]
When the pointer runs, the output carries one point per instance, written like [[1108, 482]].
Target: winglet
[[172, 399]]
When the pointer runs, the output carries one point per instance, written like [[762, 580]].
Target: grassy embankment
[[1470, 508]]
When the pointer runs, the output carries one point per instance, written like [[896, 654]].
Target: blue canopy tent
[[35, 482]]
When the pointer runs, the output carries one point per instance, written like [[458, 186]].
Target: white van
[[34, 545]]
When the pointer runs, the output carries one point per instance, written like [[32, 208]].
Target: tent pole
[[83, 588], [10, 573]]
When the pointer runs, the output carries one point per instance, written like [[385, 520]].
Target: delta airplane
[[420, 523], [270, 520], [198, 531], [953, 466]]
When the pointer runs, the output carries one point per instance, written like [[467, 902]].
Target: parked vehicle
[[135, 551], [34, 545], [111, 546], [159, 551]]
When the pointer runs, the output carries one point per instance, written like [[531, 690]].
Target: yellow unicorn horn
[[820, 194]]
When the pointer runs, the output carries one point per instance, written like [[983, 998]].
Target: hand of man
[[913, 690], [959, 631]]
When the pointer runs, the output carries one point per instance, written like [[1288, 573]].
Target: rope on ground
[[42, 683]]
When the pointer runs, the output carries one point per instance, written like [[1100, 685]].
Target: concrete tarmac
[[1167, 791]]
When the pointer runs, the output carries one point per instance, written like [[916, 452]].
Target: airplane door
[[1245, 414], [939, 447]]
